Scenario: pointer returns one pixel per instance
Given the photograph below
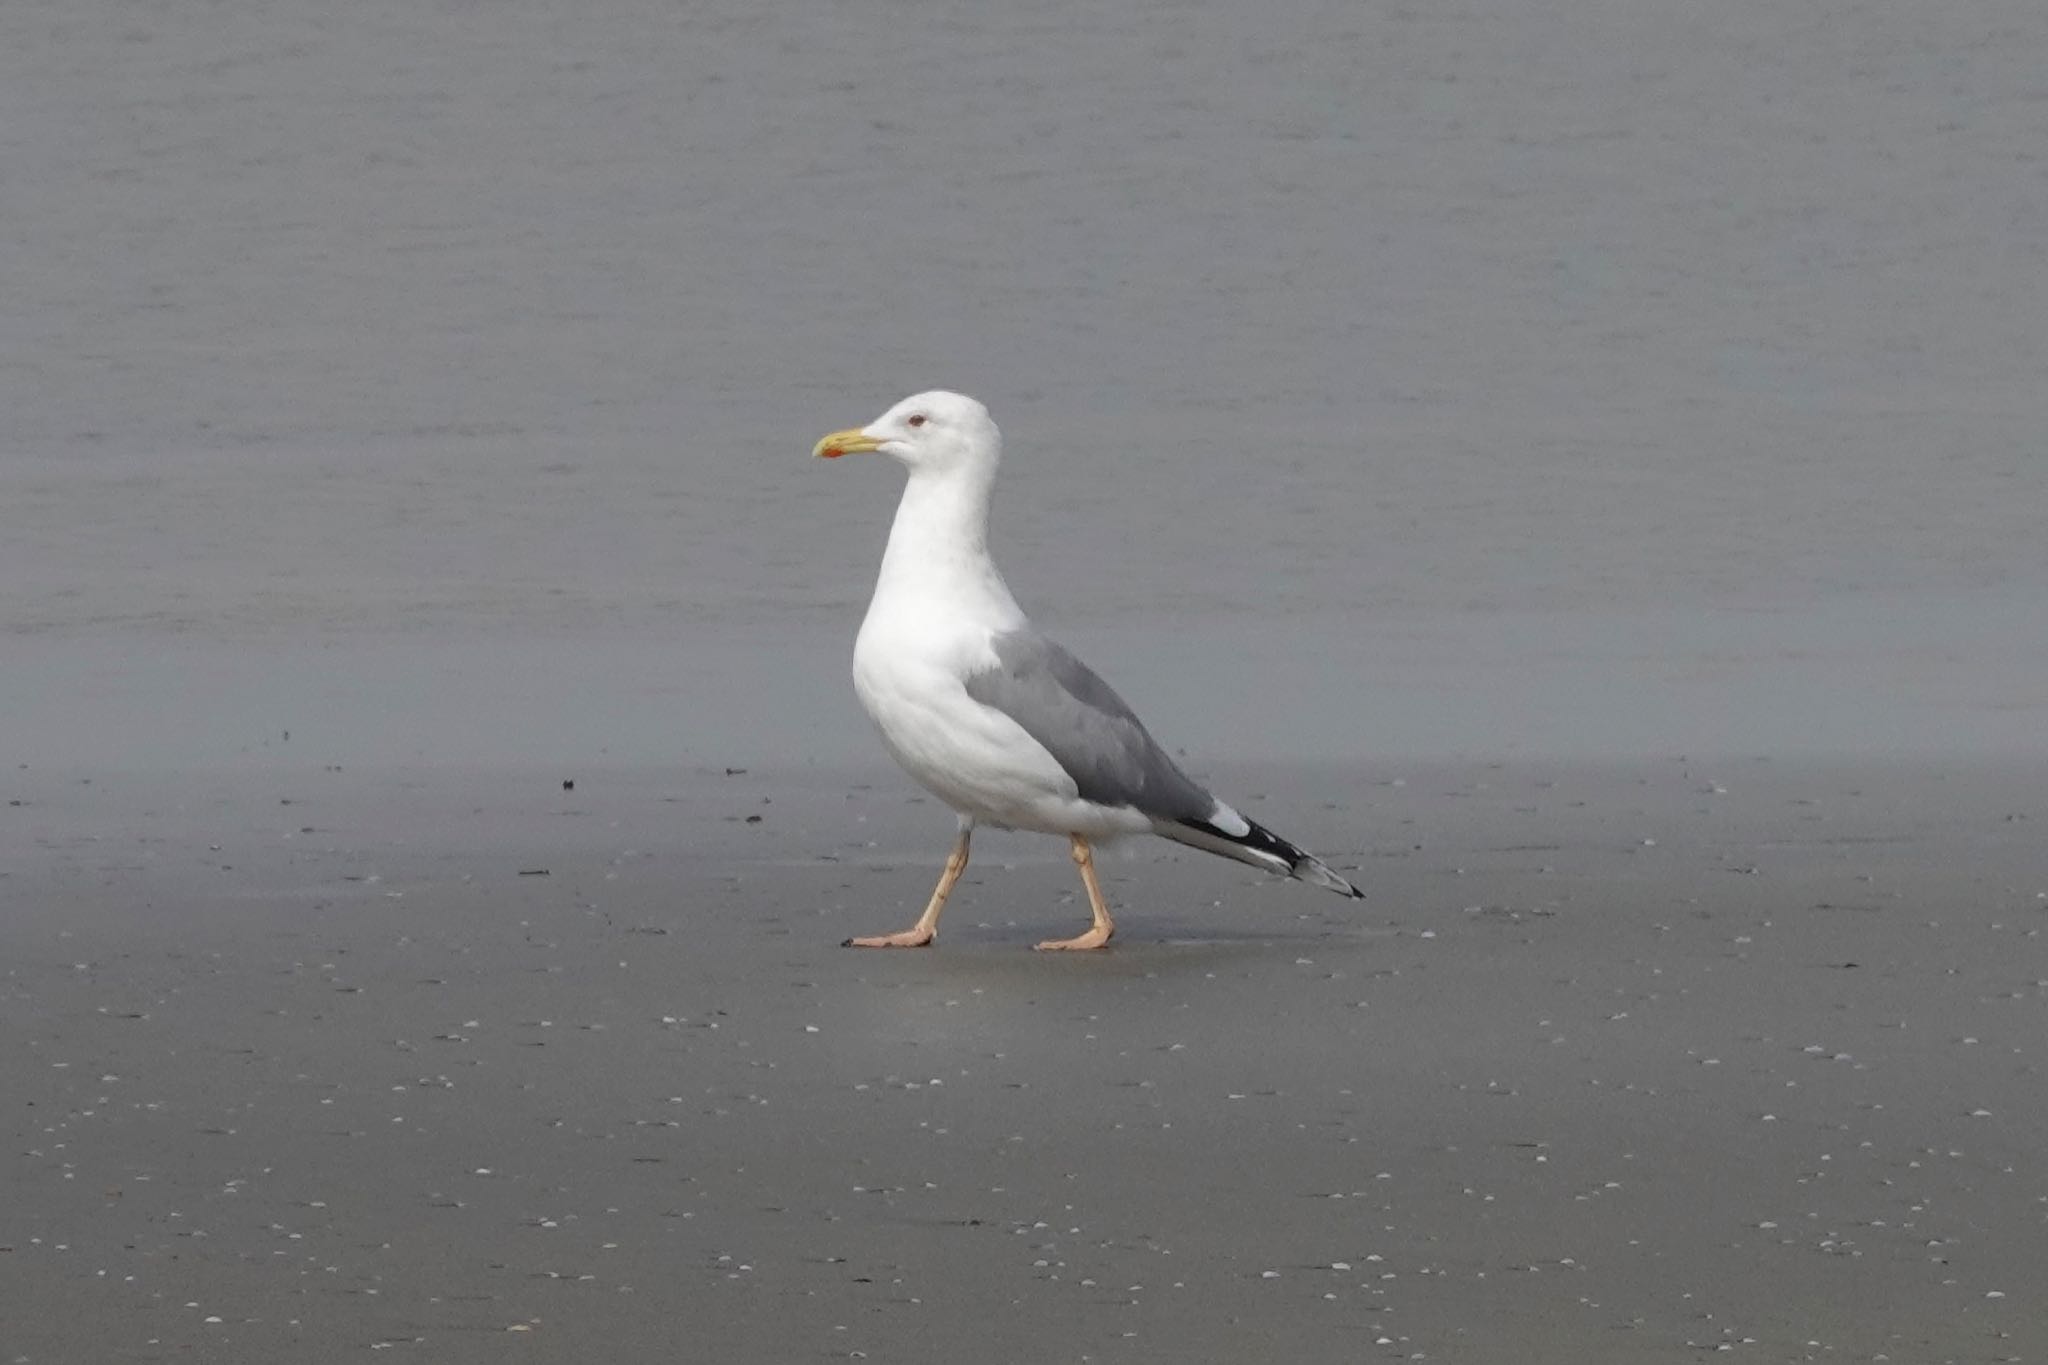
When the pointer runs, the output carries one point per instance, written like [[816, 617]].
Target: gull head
[[934, 431]]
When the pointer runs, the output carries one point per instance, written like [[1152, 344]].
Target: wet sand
[[1618, 1062]]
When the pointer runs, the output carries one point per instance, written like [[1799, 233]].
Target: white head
[[935, 431]]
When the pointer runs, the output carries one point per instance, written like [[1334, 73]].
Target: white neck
[[938, 545]]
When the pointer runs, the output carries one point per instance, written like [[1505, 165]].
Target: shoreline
[[1610, 1065]]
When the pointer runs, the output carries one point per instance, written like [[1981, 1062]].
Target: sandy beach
[[1616, 1063]]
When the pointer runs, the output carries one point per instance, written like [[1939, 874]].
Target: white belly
[[971, 756]]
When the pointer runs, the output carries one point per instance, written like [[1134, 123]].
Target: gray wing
[[1086, 727]]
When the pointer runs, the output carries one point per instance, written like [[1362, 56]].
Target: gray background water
[[436, 381]]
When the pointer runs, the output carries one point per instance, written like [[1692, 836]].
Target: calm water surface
[[437, 381]]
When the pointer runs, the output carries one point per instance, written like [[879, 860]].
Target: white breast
[[938, 603], [971, 756]]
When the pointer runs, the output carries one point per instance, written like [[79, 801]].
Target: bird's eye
[[917, 419]]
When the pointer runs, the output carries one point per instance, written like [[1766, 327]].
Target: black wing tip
[[1256, 838], [1300, 863], [1316, 872]]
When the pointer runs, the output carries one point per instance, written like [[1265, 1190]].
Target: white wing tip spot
[[1229, 821]]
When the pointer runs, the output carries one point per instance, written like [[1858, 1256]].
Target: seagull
[[990, 715]]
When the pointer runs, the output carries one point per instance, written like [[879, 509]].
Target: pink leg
[[927, 926], [1097, 933]]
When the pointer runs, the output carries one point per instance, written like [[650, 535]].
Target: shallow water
[[1552, 378]]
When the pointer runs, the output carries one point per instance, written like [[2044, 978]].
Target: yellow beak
[[844, 443]]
